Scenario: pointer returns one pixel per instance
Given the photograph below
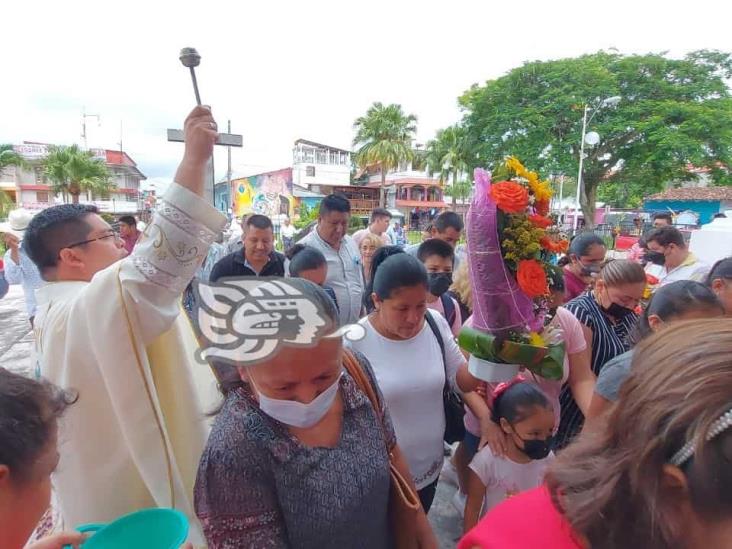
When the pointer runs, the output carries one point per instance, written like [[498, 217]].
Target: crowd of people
[[631, 447]]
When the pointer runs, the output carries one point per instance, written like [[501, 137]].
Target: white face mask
[[297, 414]]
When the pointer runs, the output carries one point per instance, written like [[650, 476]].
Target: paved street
[[15, 354]]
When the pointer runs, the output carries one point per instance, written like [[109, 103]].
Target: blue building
[[222, 196], [702, 201]]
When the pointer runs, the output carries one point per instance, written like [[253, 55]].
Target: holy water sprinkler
[[191, 59]]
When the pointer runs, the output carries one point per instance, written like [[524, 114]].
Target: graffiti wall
[[268, 193]]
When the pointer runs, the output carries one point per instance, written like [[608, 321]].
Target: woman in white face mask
[[297, 456]]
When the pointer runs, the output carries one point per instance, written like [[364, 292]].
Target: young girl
[[526, 416]]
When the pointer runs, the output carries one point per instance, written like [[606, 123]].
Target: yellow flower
[[515, 165], [536, 340], [541, 189]]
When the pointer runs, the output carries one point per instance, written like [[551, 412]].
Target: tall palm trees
[[73, 171], [447, 155], [384, 139], [8, 157]]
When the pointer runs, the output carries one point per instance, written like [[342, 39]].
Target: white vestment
[[134, 437]]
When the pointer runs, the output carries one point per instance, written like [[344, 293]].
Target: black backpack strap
[[448, 305], [436, 331]]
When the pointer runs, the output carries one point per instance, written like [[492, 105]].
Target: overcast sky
[[301, 69]]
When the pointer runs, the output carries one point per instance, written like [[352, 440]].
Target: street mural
[[267, 193]]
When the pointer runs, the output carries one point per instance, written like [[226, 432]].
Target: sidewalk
[[17, 338]]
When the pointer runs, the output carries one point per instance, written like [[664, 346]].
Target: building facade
[[318, 168], [29, 188]]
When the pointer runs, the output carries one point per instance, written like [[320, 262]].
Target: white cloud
[[283, 70]]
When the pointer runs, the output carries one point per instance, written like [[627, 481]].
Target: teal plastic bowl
[[144, 529]]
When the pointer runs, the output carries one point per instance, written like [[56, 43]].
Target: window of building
[[321, 156], [42, 196], [334, 158], [310, 171], [40, 176], [308, 154]]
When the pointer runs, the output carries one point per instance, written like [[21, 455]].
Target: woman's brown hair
[[609, 483], [618, 272]]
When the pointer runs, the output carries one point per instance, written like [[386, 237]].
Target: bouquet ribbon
[[547, 362]]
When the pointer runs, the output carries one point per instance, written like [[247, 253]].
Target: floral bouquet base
[[492, 372], [545, 361]]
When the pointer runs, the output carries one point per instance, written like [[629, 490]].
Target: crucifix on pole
[[190, 58]]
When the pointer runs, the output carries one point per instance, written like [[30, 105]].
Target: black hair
[[258, 221], [434, 246], [128, 220], [721, 269], [334, 203], [719, 215], [515, 403], [53, 229], [376, 260], [380, 212], [674, 299], [446, 220], [398, 271], [665, 216], [304, 258], [581, 243], [664, 236], [29, 411]]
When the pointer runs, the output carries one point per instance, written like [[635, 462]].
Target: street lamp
[[592, 138]]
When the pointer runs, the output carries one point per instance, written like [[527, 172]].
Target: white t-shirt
[[287, 231], [504, 478], [690, 269], [411, 375]]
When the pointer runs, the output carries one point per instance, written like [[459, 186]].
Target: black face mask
[[537, 448], [439, 282], [617, 311], [657, 258]]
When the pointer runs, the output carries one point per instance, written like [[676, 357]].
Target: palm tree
[[8, 157], [461, 190], [384, 139], [73, 171], [447, 156]]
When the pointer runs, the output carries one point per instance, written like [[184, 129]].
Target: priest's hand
[[200, 135]]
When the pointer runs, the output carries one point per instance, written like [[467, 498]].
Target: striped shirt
[[608, 341]]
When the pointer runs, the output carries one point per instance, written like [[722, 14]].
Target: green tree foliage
[[73, 171], [460, 190], [674, 114], [448, 156], [384, 138], [8, 157]]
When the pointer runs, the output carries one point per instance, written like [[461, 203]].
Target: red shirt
[[526, 521], [130, 241], [573, 285]]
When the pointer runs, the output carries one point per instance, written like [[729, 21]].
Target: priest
[[109, 327]]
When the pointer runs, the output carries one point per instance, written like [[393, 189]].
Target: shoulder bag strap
[[435, 330]]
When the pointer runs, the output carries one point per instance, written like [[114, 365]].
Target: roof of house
[[320, 145], [696, 194]]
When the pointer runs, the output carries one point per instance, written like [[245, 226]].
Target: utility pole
[[84, 116], [228, 170]]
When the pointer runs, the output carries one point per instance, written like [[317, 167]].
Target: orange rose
[[554, 246], [532, 278], [542, 207], [541, 221], [510, 197]]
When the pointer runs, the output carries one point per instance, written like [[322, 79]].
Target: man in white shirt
[[380, 218], [110, 328], [669, 258], [287, 231], [448, 226], [345, 272]]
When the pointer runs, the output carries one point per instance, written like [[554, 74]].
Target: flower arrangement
[[511, 242]]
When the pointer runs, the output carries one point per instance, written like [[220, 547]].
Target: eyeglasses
[[110, 234]]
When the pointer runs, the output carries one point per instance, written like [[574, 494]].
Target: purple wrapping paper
[[499, 305]]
